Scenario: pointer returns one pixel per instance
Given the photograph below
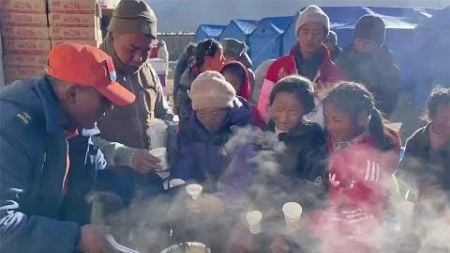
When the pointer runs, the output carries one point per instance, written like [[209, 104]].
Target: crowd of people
[[312, 128]]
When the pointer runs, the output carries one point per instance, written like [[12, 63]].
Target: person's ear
[[71, 94], [363, 119]]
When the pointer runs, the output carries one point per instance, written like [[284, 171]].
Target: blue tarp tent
[[406, 14], [208, 31], [430, 64], [289, 38], [239, 29], [266, 40]]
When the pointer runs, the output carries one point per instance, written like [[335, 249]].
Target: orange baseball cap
[[89, 66]]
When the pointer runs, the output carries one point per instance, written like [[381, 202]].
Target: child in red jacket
[[363, 156], [236, 74]]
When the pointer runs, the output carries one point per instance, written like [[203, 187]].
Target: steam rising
[[155, 223]]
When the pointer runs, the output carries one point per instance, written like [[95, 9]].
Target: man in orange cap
[[38, 117]]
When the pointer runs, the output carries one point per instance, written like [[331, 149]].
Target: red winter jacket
[[359, 190], [326, 76]]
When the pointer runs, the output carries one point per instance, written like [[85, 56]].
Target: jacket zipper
[[137, 112]]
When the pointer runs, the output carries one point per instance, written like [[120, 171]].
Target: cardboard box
[[72, 20], [19, 73], [108, 4], [94, 43], [72, 6], [23, 6], [23, 19], [24, 60], [25, 32], [72, 33], [26, 46], [2, 74]]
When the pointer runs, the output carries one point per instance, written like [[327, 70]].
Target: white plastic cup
[[194, 190], [254, 219], [292, 215], [405, 212], [157, 132], [161, 154]]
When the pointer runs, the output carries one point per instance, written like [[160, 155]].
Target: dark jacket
[[303, 173], [182, 64], [86, 159], [181, 98], [33, 164], [305, 157], [376, 71], [427, 167], [202, 157]]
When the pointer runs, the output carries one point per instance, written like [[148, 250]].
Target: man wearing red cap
[[38, 117]]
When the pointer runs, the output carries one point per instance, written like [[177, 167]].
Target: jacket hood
[[245, 88]]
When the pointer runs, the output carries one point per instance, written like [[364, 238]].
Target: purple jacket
[[202, 157]]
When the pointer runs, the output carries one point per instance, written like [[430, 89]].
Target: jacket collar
[[300, 130], [425, 138], [239, 115], [326, 57], [51, 108]]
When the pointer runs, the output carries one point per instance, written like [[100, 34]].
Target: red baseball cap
[[89, 66]]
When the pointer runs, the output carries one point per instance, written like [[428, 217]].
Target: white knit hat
[[312, 13], [211, 90]]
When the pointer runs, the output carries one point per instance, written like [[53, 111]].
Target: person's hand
[[93, 239], [280, 245], [144, 162]]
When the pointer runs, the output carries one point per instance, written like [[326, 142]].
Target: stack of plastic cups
[[292, 215]]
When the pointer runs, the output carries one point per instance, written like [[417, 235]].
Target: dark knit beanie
[[370, 27], [133, 16]]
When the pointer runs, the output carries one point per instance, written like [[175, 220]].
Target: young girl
[[289, 101], [237, 75], [363, 156], [426, 164], [302, 175], [208, 56]]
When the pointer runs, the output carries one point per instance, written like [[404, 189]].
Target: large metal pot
[[188, 247]]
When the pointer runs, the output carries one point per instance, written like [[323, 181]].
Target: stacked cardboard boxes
[[26, 43], [2, 74], [74, 21]]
